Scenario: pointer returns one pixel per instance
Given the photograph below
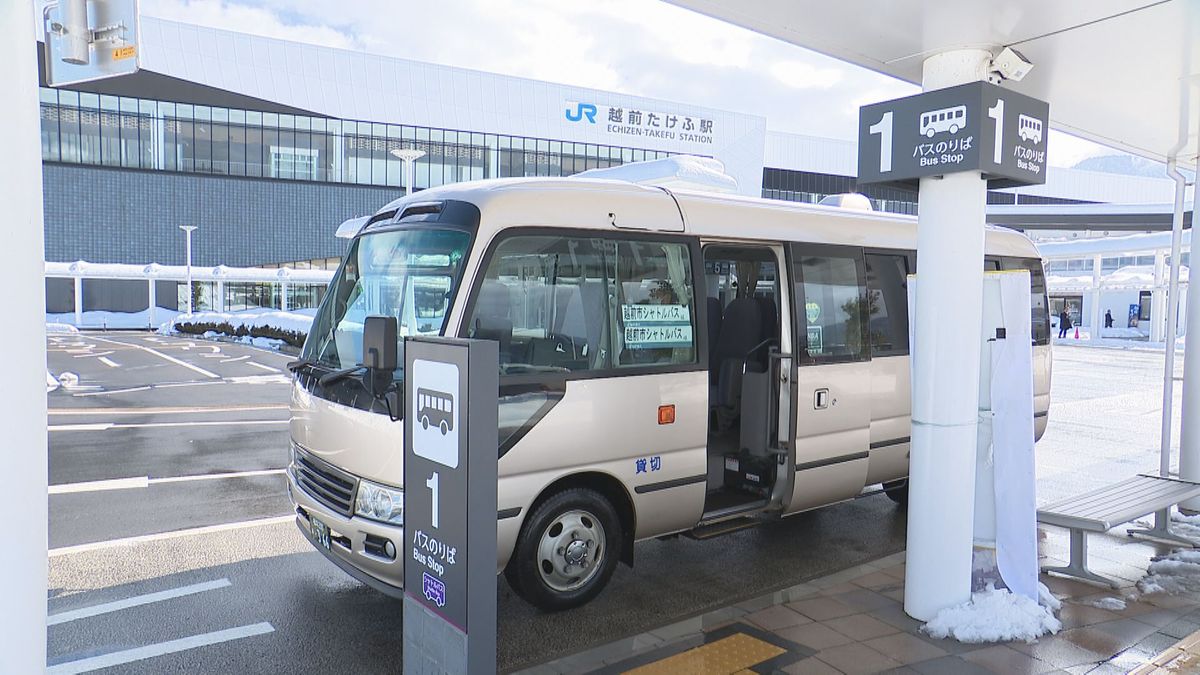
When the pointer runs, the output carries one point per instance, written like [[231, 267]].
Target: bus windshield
[[409, 274]]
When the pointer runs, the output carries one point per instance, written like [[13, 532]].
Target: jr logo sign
[[581, 111]]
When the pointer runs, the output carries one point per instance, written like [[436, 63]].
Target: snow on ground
[[1173, 574], [112, 320], [1111, 604], [299, 321], [994, 616], [60, 328], [51, 383]]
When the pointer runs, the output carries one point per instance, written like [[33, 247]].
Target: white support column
[[1158, 305], [1189, 442], [283, 296], [78, 301], [153, 295], [219, 302], [22, 401], [1096, 322], [945, 405]]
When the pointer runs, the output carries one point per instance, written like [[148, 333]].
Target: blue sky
[[641, 47]]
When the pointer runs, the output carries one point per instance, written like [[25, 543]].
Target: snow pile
[[271, 326], [994, 616], [51, 383], [68, 380], [1111, 604], [104, 319], [1173, 574], [55, 328], [1187, 527]]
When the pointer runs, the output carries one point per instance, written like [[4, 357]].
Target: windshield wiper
[[329, 378], [293, 366]]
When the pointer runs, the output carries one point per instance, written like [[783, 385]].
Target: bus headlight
[[380, 503]]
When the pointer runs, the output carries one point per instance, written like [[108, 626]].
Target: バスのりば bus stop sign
[[450, 457], [977, 126]]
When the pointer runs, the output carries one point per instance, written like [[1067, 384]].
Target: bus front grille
[[325, 483]]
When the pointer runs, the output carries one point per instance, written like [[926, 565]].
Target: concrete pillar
[[1158, 297], [22, 399], [78, 301], [945, 405], [153, 295], [219, 302], [283, 296], [1097, 312]]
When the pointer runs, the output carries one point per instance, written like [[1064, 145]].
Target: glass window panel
[[237, 150], [656, 306], [834, 307], [220, 148], [887, 303], [254, 151]]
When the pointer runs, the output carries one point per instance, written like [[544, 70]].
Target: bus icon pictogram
[[945, 119], [435, 408]]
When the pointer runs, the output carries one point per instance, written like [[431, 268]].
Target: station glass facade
[[138, 133]]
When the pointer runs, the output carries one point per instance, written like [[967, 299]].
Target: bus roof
[[610, 205]]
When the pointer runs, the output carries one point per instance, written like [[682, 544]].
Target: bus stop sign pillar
[[945, 406], [449, 550]]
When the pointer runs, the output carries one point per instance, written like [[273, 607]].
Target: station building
[[267, 145]]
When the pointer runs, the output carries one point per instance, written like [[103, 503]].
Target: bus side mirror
[[379, 343]]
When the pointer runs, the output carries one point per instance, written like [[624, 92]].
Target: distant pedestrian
[[1064, 323], [1108, 320]]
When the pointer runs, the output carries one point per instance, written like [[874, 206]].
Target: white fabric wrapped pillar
[[22, 401], [151, 293], [1189, 444], [945, 381], [78, 301], [1011, 395], [1095, 298]]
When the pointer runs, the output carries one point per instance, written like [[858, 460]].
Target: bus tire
[[897, 491], [567, 550]]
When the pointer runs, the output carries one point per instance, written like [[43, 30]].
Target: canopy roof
[[1124, 73]]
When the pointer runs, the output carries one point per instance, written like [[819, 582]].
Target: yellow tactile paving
[[726, 656]]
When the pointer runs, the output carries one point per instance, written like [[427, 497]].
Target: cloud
[[800, 75], [637, 47]]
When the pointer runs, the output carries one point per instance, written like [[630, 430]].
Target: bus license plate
[[320, 532]]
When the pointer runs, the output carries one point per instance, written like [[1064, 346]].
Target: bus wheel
[[897, 491], [424, 422], [567, 550], [444, 427]]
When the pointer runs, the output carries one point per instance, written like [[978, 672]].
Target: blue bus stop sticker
[[434, 589]]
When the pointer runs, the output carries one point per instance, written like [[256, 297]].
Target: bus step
[[703, 532]]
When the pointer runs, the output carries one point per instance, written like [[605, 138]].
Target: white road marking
[[140, 482], [175, 410], [260, 379], [150, 425], [115, 391], [135, 601], [100, 485], [108, 362], [262, 367], [239, 358], [130, 541], [84, 356], [80, 427], [172, 359], [169, 647], [185, 384], [214, 476]]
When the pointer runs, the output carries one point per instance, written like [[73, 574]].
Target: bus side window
[[656, 304], [887, 302]]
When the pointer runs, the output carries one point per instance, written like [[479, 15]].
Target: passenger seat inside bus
[[740, 332], [493, 317]]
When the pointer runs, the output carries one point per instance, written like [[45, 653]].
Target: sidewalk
[[853, 622]]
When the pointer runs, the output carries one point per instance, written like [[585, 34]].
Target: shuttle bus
[[670, 363]]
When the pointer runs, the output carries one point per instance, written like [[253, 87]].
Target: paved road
[[177, 415], [253, 597]]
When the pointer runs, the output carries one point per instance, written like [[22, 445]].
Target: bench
[[1105, 508]]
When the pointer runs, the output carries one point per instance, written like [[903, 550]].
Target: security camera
[[1011, 64]]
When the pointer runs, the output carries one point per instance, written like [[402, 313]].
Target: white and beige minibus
[[670, 362]]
